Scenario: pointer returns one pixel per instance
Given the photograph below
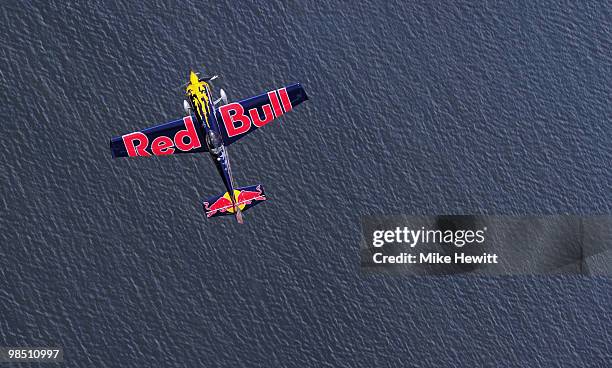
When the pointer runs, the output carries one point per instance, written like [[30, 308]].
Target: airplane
[[211, 126]]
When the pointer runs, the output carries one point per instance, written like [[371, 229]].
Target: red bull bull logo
[[237, 122], [244, 199], [137, 144]]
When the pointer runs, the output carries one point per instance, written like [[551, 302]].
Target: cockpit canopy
[[213, 139]]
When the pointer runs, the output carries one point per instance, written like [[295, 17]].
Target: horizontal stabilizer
[[246, 197]]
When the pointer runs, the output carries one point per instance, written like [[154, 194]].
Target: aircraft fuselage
[[202, 104]]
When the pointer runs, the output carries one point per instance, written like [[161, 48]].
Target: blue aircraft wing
[[240, 118]]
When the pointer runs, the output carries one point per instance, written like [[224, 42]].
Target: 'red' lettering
[[162, 146], [232, 113], [190, 132], [136, 149], [136, 144]]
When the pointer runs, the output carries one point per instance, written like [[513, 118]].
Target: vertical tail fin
[[239, 216]]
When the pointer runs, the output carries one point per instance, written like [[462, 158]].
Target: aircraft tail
[[246, 197]]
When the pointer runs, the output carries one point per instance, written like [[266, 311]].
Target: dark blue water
[[457, 108]]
